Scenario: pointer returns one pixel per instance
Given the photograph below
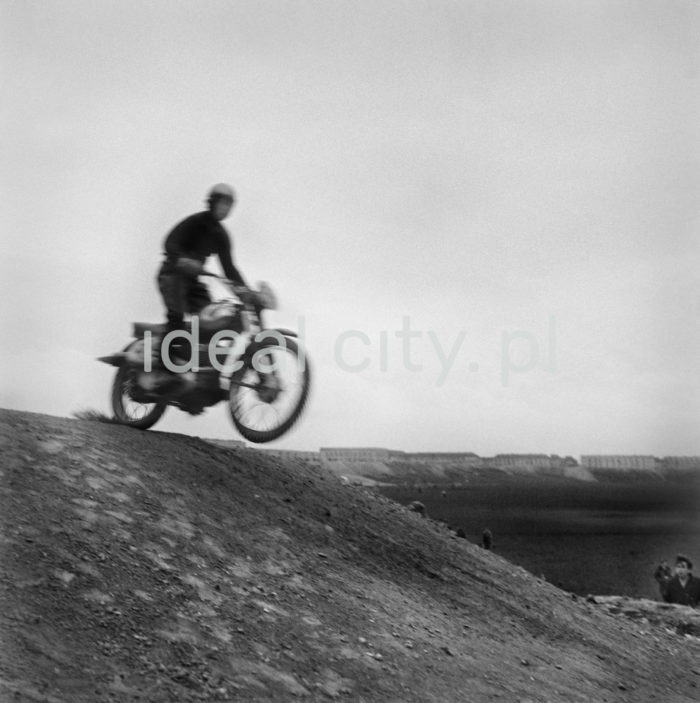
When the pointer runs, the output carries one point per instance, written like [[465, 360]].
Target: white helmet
[[221, 190]]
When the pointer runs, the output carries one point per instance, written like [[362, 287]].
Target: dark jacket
[[689, 594], [199, 236]]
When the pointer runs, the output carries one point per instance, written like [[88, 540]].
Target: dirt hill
[[157, 567]]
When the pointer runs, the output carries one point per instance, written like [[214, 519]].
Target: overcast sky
[[482, 215]]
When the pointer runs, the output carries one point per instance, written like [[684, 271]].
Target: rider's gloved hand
[[190, 267]]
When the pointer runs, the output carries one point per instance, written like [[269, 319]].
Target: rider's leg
[[173, 288], [196, 296]]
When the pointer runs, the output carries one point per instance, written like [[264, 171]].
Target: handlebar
[[226, 281], [257, 299]]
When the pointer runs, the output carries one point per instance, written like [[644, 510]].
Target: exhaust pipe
[[113, 359]]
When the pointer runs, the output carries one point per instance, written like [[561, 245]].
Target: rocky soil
[[144, 566]]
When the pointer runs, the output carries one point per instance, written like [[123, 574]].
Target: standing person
[[683, 588], [187, 247]]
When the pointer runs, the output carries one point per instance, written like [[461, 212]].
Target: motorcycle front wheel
[[128, 411], [269, 391]]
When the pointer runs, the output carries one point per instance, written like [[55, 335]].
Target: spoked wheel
[[131, 412], [269, 391]]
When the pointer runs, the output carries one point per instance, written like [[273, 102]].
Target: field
[[587, 538]]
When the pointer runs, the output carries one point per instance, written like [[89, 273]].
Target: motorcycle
[[263, 374]]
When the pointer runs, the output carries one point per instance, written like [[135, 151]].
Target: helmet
[[221, 190]]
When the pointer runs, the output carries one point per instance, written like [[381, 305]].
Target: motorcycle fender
[[264, 335], [279, 330], [286, 333]]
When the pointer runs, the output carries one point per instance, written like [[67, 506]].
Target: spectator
[[417, 507], [486, 539], [683, 588], [663, 575]]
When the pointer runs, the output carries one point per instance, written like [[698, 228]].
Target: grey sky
[[521, 176]]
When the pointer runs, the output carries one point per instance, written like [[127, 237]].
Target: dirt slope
[[157, 567]]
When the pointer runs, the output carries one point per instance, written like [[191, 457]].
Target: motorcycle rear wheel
[[128, 411], [264, 405]]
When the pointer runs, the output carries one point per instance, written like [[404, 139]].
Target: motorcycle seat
[[155, 328]]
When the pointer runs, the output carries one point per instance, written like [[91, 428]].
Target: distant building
[[529, 462], [292, 454], [681, 463], [465, 458], [334, 457], [357, 454], [621, 462]]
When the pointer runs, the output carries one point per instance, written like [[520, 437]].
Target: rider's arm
[[224, 253]]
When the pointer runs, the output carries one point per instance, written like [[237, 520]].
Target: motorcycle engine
[[216, 317]]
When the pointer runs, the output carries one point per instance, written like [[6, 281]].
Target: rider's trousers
[[181, 294]]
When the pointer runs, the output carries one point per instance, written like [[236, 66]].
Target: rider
[[187, 247]]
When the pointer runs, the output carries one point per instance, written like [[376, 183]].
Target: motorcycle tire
[[128, 411], [257, 398]]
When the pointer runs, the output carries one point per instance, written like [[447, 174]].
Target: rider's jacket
[[197, 237]]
